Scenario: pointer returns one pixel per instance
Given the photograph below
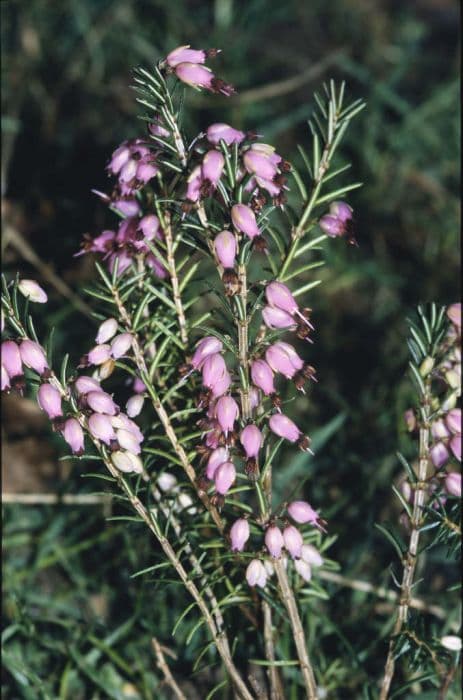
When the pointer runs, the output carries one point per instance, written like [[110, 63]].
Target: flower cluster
[[445, 446], [188, 66], [82, 406]]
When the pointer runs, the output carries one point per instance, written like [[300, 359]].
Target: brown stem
[[162, 665], [276, 690], [298, 632], [410, 559], [174, 279]]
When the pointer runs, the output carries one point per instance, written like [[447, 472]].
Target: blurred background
[[75, 622]]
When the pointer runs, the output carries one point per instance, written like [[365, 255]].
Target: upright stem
[[174, 279], [410, 559], [243, 340], [298, 632], [298, 230], [276, 690], [163, 666]]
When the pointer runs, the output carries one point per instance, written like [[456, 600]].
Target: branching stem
[[410, 559]]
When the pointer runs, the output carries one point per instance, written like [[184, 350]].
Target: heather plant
[[202, 324]]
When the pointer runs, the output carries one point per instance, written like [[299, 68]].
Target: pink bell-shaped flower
[[293, 541], [223, 132], [74, 435], [244, 220], [227, 412], [33, 356], [239, 534], [251, 439], [49, 400], [274, 541], [224, 477], [256, 574], [262, 376]]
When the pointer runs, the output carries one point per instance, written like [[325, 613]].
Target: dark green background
[[66, 105]]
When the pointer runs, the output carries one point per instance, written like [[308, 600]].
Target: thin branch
[[276, 690], [410, 559], [298, 632], [174, 279], [162, 665], [381, 592]]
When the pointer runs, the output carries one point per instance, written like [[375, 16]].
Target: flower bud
[[256, 574], [455, 446], [302, 512], [195, 75], [244, 220], [100, 427], [128, 441], [101, 402], [259, 164], [262, 376], [410, 420], [33, 356], [453, 421], [216, 458], [341, 211], [86, 384], [126, 462], [283, 358], [226, 412], [251, 439], [453, 484], [225, 248], [276, 318], [194, 182], [254, 397], [212, 166], [451, 642], [134, 405], [239, 535], [279, 296], [282, 426], [274, 541], [331, 225], [303, 569], [222, 385], [167, 482], [454, 314], [213, 369], [5, 380], [293, 541], [426, 366], [74, 435], [99, 354], [11, 359], [49, 400], [106, 331], [223, 132], [32, 291], [121, 421], [311, 555], [224, 477], [106, 369], [121, 345], [439, 430], [439, 454], [206, 347], [184, 54]]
